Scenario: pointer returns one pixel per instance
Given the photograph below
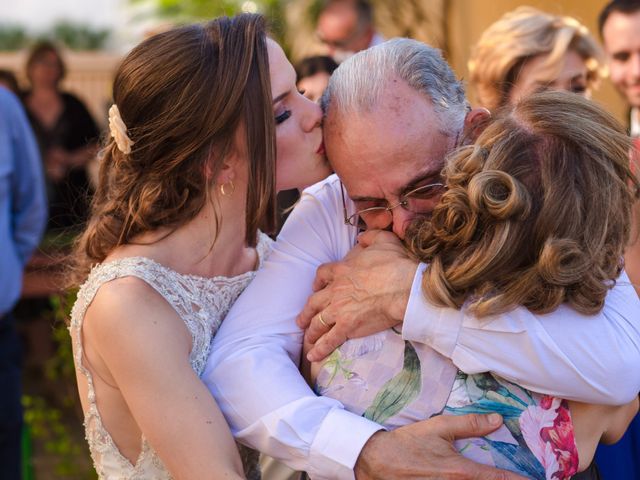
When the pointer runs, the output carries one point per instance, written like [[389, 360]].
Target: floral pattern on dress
[[399, 384], [537, 438]]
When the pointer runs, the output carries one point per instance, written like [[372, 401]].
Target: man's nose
[[401, 220]]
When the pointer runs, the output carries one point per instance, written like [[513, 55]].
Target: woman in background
[[313, 75], [528, 50], [67, 136]]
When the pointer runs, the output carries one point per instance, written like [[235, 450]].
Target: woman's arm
[[599, 423], [143, 347]]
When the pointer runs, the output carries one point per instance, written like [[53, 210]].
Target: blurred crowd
[[49, 139]]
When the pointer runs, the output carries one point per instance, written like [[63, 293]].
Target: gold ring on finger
[[322, 320]]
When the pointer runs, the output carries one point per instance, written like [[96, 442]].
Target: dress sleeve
[[253, 368], [586, 358]]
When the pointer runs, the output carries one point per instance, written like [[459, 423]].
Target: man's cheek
[[616, 76]]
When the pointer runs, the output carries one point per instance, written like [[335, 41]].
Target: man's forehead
[[620, 29], [337, 18], [374, 161], [384, 126]]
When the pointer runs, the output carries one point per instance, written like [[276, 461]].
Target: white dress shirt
[[253, 367]]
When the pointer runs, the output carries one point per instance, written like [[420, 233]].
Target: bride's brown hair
[[537, 212], [182, 95]]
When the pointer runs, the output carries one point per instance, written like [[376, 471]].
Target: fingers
[[315, 304], [465, 426], [370, 237], [326, 344], [324, 275], [320, 325]]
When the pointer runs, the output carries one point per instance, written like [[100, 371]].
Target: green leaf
[[398, 392]]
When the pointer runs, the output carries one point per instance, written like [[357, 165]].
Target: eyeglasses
[[420, 201]]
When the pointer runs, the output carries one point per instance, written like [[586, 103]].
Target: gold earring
[[227, 189]]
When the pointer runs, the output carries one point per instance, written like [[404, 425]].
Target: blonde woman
[[528, 50]]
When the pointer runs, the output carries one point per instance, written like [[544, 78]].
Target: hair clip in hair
[[119, 130]]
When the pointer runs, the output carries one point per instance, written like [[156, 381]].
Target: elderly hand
[[424, 450], [365, 293]]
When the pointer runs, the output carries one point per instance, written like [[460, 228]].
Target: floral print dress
[[398, 384]]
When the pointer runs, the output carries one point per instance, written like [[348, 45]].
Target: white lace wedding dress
[[202, 303]]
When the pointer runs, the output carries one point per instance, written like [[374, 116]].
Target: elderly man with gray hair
[[392, 114]]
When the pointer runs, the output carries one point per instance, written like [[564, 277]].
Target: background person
[[23, 214], [313, 75], [346, 27], [619, 25], [67, 136], [528, 50]]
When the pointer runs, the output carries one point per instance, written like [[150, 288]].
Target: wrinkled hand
[[365, 293], [424, 450]]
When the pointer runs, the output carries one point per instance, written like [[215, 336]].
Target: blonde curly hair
[[519, 35], [537, 212]]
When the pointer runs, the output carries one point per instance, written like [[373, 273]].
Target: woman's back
[[186, 311]]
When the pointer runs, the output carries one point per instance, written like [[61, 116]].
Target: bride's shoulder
[[129, 307]]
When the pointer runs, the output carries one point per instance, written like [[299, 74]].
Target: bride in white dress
[[186, 180]]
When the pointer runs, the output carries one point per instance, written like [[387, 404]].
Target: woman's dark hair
[[41, 49], [184, 95], [309, 66]]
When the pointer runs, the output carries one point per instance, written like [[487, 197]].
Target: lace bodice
[[200, 302]]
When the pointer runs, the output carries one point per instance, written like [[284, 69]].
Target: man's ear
[[474, 124]]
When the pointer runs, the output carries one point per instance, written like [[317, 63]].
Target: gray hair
[[359, 82]]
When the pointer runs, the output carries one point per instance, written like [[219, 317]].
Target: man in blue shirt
[[23, 214]]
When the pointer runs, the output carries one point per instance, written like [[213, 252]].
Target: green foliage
[[196, 9], [79, 37], [48, 424], [60, 367], [183, 11], [73, 36], [12, 37]]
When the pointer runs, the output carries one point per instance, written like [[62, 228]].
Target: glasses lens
[[377, 217], [424, 199]]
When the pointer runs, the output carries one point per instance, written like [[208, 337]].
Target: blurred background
[[94, 34], [90, 37]]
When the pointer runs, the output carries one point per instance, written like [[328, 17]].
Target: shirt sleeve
[[29, 204], [253, 368], [586, 358]]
